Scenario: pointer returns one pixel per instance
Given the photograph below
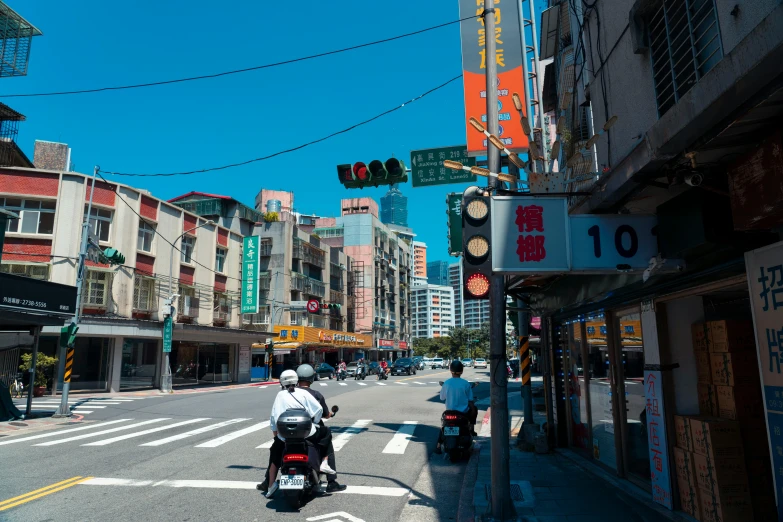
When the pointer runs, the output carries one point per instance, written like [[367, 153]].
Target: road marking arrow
[[342, 514]]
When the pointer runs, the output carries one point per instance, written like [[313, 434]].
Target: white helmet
[[289, 378]]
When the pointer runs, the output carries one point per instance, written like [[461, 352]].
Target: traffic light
[[331, 306], [476, 243], [113, 256], [373, 174], [68, 335]]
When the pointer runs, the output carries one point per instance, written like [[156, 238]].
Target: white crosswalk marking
[[342, 384], [361, 384], [235, 435], [66, 432], [323, 384], [342, 439], [417, 382], [90, 406], [83, 412], [141, 433], [266, 445], [199, 431], [398, 382], [400, 440], [380, 383], [104, 432]]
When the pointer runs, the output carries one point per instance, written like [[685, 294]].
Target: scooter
[[457, 436], [300, 474], [382, 374], [341, 375], [361, 373]]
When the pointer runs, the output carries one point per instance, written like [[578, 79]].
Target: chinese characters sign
[[26, 294], [249, 295], [168, 332], [529, 234], [765, 281], [427, 166], [508, 57], [455, 223], [656, 439]]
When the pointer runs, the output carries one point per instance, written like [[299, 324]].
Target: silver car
[[437, 363]]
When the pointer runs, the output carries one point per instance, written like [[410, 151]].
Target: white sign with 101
[[601, 243]]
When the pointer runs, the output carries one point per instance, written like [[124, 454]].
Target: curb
[[466, 511], [263, 383]]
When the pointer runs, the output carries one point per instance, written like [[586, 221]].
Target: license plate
[[292, 482], [448, 431]]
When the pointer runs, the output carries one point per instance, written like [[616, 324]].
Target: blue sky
[[214, 122]]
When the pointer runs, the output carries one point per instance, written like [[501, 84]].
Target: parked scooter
[[457, 436], [300, 474]]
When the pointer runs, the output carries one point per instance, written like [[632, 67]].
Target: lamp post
[[165, 383]]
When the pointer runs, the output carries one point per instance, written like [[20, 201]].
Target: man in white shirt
[[458, 394]]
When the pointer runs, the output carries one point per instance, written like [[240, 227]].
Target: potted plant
[[43, 368]]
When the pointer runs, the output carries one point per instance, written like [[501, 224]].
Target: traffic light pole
[[67, 351], [501, 506]]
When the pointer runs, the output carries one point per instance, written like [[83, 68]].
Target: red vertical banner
[[508, 57]]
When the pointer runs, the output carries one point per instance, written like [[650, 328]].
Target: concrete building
[[394, 208], [438, 273], [470, 313], [380, 276], [419, 259], [432, 311]]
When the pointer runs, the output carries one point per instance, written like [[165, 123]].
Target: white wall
[[681, 314]]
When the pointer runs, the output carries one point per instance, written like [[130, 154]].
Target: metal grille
[[9, 365], [16, 35], [33, 271], [97, 287], [143, 293], [685, 45]]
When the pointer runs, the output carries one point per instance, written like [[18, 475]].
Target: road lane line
[[145, 432], [266, 445], [399, 442], [342, 384], [83, 412], [52, 434], [417, 382], [380, 384], [33, 495], [339, 514], [198, 431], [375, 490], [234, 435], [97, 433], [398, 382], [342, 439]]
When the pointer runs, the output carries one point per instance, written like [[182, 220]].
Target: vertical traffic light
[[476, 243]]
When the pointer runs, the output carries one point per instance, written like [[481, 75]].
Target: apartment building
[[419, 259], [432, 311]]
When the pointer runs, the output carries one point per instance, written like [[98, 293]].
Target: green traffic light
[[114, 256]]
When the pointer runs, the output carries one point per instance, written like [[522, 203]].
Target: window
[[97, 287], [220, 260], [35, 217], [684, 46], [144, 293], [221, 305], [33, 271], [146, 233], [188, 244], [100, 223]]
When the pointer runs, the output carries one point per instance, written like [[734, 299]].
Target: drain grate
[[516, 493]]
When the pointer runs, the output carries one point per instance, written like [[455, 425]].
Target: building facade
[[394, 208], [432, 311], [438, 273], [419, 259]]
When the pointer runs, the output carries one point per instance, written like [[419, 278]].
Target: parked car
[[402, 366], [480, 363], [427, 362], [467, 362], [350, 368], [419, 362], [324, 371], [437, 363], [372, 368]]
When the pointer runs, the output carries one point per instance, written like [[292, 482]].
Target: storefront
[[139, 363], [316, 345], [194, 363]]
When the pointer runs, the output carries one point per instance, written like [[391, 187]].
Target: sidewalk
[[554, 487]]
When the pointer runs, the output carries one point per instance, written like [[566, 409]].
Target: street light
[[165, 384]]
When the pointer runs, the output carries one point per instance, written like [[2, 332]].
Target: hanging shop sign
[[250, 275], [656, 439], [510, 79], [765, 282], [385, 343], [536, 235], [24, 294]]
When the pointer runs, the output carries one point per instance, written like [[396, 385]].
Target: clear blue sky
[[201, 124]]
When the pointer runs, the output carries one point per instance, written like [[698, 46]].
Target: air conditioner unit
[[222, 313], [190, 306]]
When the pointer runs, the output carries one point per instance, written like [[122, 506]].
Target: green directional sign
[[454, 202], [250, 275], [427, 166], [168, 330]]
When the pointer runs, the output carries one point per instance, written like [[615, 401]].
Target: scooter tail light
[[294, 457], [451, 417]]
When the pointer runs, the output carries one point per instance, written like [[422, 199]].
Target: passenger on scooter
[[458, 394], [342, 366], [290, 398], [306, 377], [384, 366]]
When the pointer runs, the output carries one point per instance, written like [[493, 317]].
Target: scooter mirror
[[440, 382], [335, 409]]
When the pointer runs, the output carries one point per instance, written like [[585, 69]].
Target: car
[[372, 368], [419, 362], [350, 368], [480, 363], [437, 363], [467, 362], [324, 371], [402, 366], [427, 362]]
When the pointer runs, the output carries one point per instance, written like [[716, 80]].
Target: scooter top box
[[294, 424]]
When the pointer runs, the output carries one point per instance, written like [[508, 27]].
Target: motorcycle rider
[[384, 366], [361, 368], [342, 366], [290, 397], [458, 394]]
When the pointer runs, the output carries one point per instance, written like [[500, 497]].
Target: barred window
[[97, 288], [33, 271], [144, 293]]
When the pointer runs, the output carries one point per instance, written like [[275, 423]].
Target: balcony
[[336, 297], [314, 256], [314, 287], [298, 281]]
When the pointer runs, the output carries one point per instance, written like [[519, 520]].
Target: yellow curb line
[[38, 493]]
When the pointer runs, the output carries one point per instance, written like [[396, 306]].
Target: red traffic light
[[360, 171], [477, 284]]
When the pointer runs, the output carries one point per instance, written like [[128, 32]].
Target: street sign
[[298, 305], [612, 242], [313, 306], [249, 295], [168, 332], [454, 202], [427, 166]]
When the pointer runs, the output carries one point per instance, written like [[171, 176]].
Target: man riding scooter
[[384, 366], [458, 394]]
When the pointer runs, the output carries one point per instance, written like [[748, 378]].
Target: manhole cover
[[22, 424], [516, 493]]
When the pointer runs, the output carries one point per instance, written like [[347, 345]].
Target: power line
[[280, 153], [238, 71]]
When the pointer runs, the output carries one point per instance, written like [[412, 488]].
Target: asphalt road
[[196, 456]]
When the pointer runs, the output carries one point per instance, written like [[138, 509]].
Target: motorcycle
[[382, 374], [300, 474], [341, 375], [456, 429], [361, 373]]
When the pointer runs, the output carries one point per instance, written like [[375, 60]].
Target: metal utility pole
[[33, 363], [535, 76], [67, 352], [501, 506]]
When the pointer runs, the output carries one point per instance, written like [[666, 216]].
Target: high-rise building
[[469, 313], [432, 311], [438, 273], [419, 259], [394, 208]]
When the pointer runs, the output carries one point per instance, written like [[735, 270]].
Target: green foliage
[[44, 366], [271, 217]]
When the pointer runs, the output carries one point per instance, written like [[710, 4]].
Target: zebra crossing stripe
[[52, 434], [90, 406], [342, 384], [141, 433], [342, 439], [380, 384], [198, 431], [104, 432], [361, 384], [400, 440], [234, 435], [83, 412], [323, 384], [266, 445]]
